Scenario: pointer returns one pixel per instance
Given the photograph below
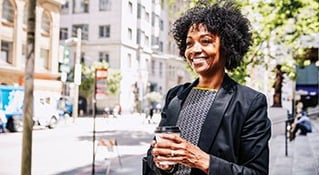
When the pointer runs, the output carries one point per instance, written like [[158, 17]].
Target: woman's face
[[202, 51]]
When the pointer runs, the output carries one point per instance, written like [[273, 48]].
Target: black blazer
[[235, 133]]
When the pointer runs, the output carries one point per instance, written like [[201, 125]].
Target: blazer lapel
[[215, 115], [176, 104]]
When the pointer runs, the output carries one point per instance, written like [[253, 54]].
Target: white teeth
[[199, 60]]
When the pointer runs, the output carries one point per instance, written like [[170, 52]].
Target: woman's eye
[[206, 41], [189, 43]]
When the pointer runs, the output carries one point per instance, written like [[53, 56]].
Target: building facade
[[13, 29], [133, 37]]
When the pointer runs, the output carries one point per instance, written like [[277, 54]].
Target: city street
[[67, 149]]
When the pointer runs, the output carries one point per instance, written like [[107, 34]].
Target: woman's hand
[[179, 150]]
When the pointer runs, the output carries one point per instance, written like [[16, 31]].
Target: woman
[[224, 126]]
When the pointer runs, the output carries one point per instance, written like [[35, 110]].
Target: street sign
[[100, 83]]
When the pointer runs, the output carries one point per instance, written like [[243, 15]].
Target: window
[[103, 56], [6, 52], [161, 25], [129, 62], [25, 15], [105, 5], [104, 31], [44, 59], [153, 19], [80, 6], [161, 46], [139, 11], [147, 16], [138, 36], [146, 41], [63, 33], [84, 30], [153, 67], [7, 11], [161, 69], [130, 7], [129, 34], [45, 23], [65, 7], [155, 40]]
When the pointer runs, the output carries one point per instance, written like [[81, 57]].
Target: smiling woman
[[224, 126]]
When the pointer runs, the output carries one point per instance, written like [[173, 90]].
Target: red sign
[[100, 83]]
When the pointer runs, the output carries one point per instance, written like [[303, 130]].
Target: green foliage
[[280, 23], [113, 81]]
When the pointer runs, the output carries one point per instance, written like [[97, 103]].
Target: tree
[[279, 23], [28, 93]]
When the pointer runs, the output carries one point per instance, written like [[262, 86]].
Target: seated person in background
[[302, 123]]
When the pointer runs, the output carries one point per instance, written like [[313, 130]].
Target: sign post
[[100, 89]]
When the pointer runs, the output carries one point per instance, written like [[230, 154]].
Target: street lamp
[[77, 71]]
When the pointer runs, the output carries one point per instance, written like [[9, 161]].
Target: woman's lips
[[198, 60]]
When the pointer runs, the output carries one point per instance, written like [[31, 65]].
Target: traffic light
[[64, 61]]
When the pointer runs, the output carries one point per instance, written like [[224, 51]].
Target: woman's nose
[[197, 48]]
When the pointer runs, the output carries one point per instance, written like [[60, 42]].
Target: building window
[[7, 11], [103, 56], [45, 23], [161, 69], [44, 59], [63, 33], [147, 41], [6, 52], [80, 6], [161, 25], [139, 11], [161, 47], [129, 62], [129, 31], [153, 19], [138, 36], [84, 30], [65, 7], [104, 31], [25, 15], [105, 5], [153, 67], [147, 16], [130, 7]]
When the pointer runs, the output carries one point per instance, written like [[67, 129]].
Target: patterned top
[[192, 117]]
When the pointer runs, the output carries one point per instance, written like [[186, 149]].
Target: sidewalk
[[302, 158]]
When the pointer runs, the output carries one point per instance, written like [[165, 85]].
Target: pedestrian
[[301, 123], [3, 121], [224, 126]]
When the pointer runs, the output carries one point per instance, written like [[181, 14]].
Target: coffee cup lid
[[167, 129]]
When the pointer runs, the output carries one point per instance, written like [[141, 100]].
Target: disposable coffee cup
[[166, 130]]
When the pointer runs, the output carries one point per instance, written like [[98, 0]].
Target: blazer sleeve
[[169, 96], [253, 158]]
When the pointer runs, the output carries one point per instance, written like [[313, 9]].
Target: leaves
[[88, 75]]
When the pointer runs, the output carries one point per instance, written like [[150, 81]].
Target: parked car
[[45, 113]]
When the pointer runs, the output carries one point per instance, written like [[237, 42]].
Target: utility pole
[[28, 92], [77, 74]]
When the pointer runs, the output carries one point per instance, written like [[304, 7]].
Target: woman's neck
[[211, 82]]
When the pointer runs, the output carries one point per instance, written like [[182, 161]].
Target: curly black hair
[[222, 19]]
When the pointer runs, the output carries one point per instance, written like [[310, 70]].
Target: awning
[[307, 89]]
